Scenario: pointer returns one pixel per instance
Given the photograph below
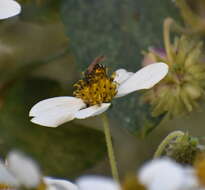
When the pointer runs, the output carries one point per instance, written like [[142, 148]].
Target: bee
[[95, 69]]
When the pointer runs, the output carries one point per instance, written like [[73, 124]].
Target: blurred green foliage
[[118, 29], [40, 10], [65, 151], [24, 46]]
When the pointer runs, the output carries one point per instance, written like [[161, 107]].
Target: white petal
[[56, 102], [59, 184], [56, 111], [122, 75], [145, 78], [97, 183], [92, 111], [162, 174], [6, 177], [191, 181], [9, 8], [25, 170]]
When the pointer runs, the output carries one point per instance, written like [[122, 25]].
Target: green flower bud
[[181, 90], [181, 147]]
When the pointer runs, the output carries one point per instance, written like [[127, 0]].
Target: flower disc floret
[[96, 87]]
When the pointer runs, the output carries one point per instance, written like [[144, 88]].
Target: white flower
[[56, 111], [166, 174], [59, 184], [9, 8], [96, 183], [158, 174], [21, 171]]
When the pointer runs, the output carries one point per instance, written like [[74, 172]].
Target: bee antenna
[[98, 60]]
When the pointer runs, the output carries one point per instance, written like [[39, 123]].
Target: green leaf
[[134, 115], [120, 30], [65, 151]]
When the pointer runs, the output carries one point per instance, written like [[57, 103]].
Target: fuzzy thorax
[[96, 87]]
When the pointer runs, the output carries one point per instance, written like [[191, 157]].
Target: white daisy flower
[[59, 184], [166, 174], [94, 93], [20, 171], [9, 8], [96, 183]]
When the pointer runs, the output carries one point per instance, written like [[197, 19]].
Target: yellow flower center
[[41, 186], [131, 182], [5, 187], [96, 87], [200, 168]]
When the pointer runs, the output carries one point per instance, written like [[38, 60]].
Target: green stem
[[110, 149], [166, 141], [166, 35]]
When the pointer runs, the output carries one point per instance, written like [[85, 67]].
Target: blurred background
[[43, 52]]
